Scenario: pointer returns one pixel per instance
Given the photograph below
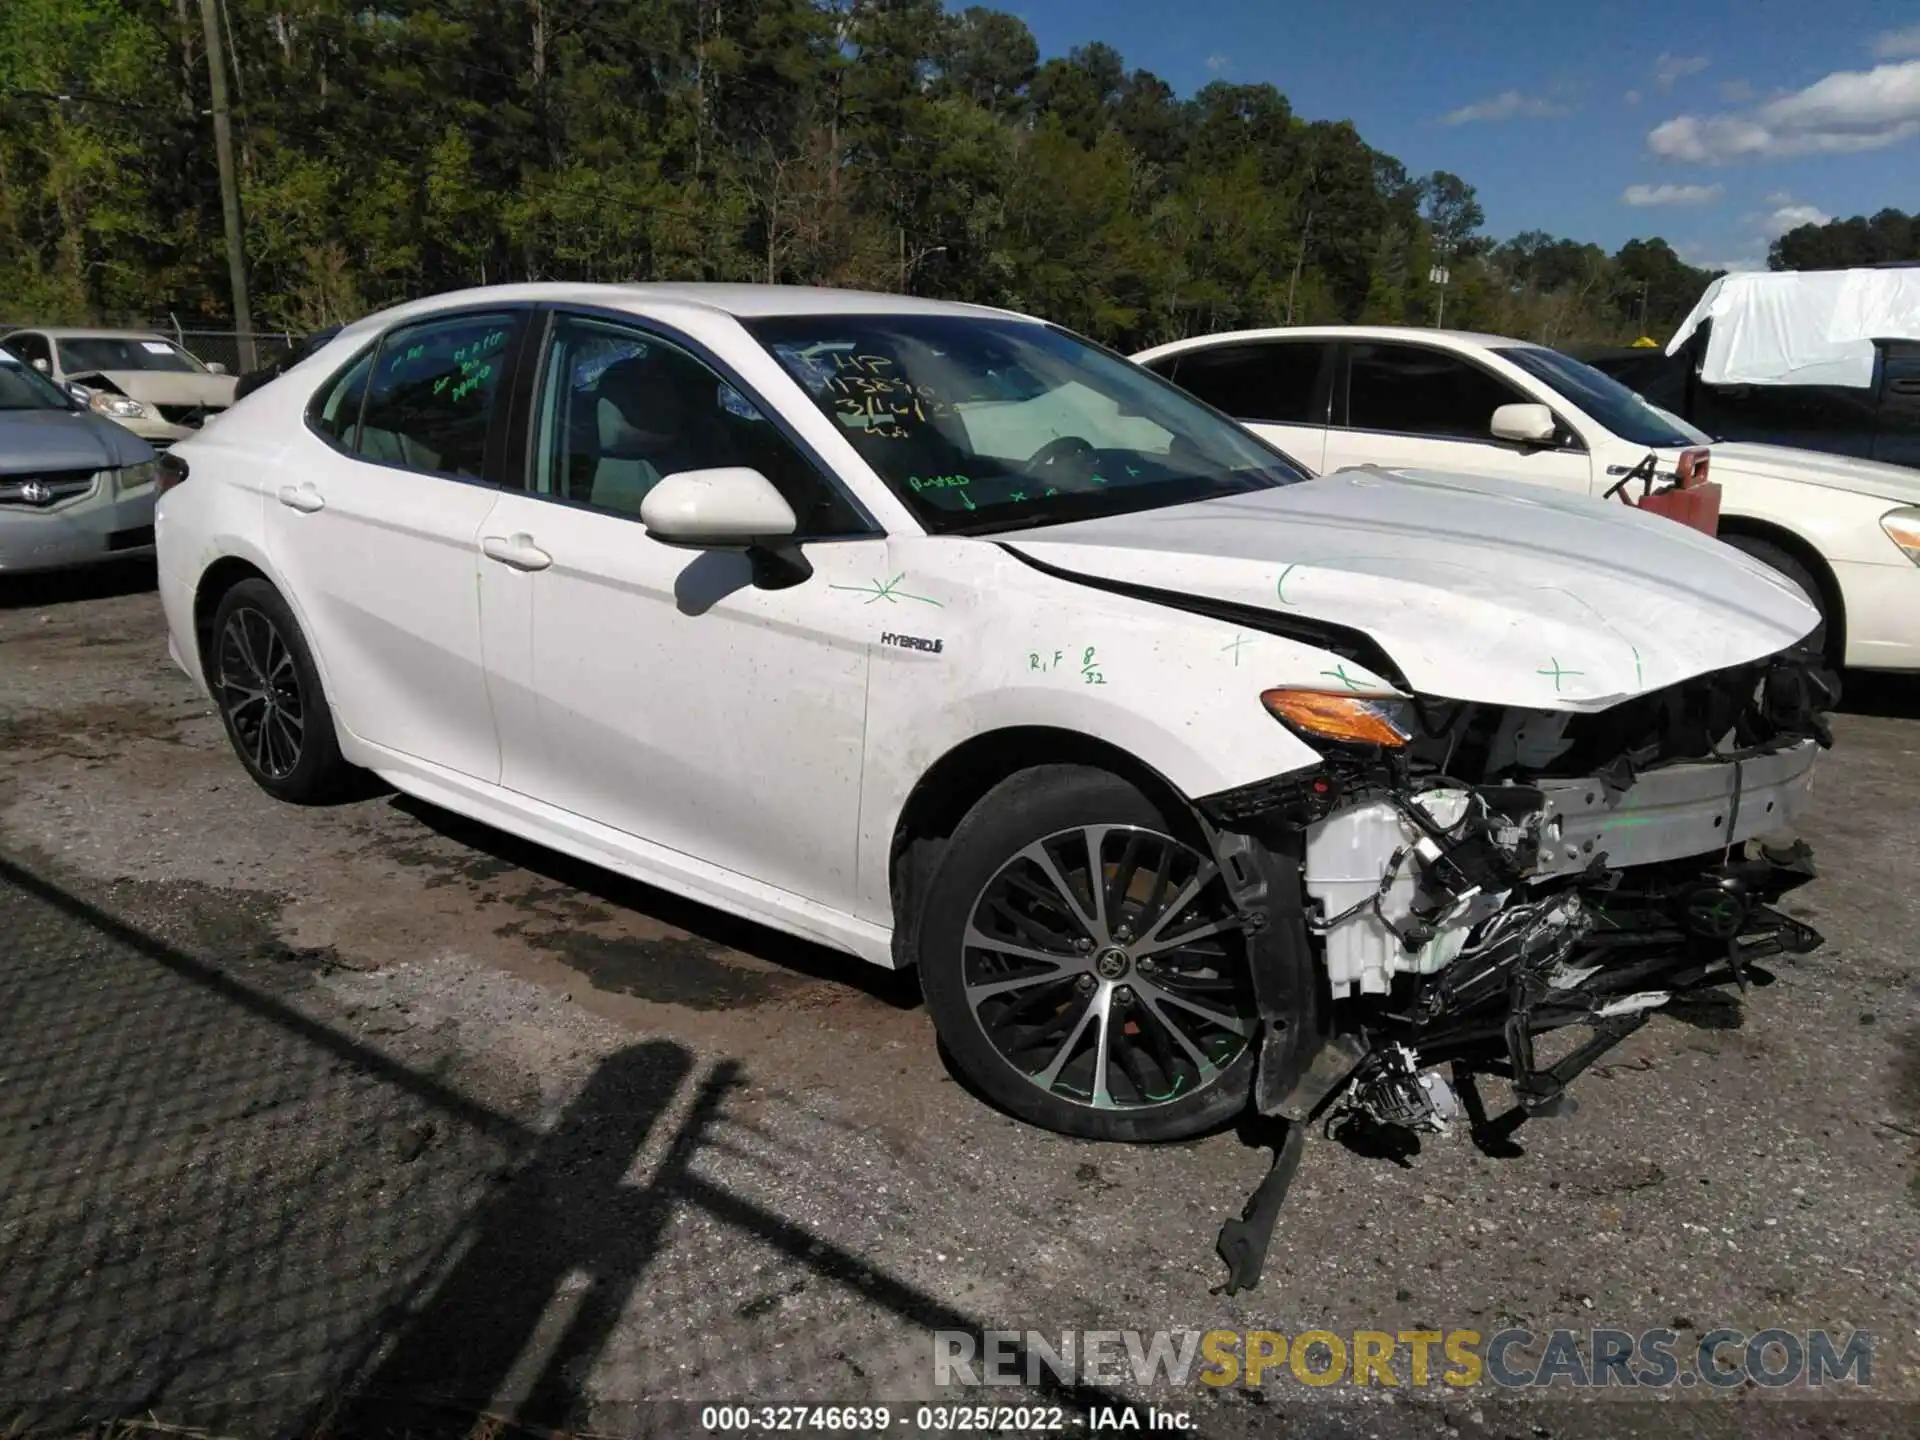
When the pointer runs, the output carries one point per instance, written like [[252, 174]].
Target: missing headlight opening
[[1506, 874]]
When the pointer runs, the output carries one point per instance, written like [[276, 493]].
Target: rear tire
[[1820, 639], [1091, 978], [270, 698]]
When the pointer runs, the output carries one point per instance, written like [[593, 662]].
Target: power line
[[72, 97]]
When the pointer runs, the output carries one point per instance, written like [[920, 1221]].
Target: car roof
[[740, 301], [87, 332], [1458, 339]]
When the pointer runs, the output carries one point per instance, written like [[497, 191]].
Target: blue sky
[[1713, 123]]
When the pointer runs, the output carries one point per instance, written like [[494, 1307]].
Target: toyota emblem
[[36, 493]]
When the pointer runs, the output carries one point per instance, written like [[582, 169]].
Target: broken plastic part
[[1243, 1243]]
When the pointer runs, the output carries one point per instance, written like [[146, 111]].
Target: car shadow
[[70, 587], [1883, 694], [900, 989], [223, 1214]]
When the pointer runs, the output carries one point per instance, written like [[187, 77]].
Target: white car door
[[375, 527], [659, 690], [1397, 403], [1277, 388]]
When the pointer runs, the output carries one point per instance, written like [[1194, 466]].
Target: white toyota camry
[[943, 637]]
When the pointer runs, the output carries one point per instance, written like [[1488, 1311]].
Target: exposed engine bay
[[1505, 874]]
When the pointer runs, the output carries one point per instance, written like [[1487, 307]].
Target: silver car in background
[[75, 488]]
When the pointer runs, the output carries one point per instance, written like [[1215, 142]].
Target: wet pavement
[[366, 1119]]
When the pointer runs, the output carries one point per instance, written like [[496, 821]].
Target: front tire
[[269, 695], [1820, 639], [1082, 962]]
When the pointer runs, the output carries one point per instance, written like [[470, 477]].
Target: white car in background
[[1845, 531], [941, 637], [135, 378]]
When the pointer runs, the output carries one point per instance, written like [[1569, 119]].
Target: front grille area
[[40, 489], [194, 415]]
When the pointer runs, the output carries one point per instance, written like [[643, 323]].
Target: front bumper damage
[[1411, 931]]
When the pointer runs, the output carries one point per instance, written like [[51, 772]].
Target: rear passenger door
[[375, 526], [1400, 404], [1279, 389]]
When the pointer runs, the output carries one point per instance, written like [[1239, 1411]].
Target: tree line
[[1889, 236], [396, 150]]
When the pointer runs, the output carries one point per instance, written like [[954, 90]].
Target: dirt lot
[[304, 1113]]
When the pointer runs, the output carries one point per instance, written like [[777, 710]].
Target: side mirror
[[729, 508], [1524, 424], [80, 393], [214, 367]]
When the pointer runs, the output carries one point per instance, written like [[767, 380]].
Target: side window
[[335, 412], [622, 409], [1898, 440], [1834, 418], [1411, 390], [432, 392], [1272, 382], [33, 349]]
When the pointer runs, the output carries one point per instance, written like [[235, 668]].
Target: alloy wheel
[[1105, 964], [260, 693]]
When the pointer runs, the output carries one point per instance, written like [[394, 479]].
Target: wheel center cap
[[1111, 963]]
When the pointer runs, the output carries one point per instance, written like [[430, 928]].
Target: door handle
[[519, 551], [303, 498]]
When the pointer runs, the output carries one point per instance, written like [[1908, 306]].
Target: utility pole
[[229, 182]]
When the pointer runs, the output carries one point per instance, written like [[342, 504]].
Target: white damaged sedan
[[942, 637]]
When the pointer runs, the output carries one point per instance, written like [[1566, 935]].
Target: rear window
[[1274, 381]]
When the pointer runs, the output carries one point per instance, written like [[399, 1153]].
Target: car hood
[[1813, 467], [1478, 589], [33, 441], [169, 387]]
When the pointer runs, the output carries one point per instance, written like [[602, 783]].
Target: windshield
[[1605, 399], [102, 352], [24, 388], [979, 423]]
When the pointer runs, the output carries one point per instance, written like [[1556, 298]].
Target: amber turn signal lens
[[1351, 718]]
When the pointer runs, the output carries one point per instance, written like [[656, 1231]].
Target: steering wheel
[[1065, 457]]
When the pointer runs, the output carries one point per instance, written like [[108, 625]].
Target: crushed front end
[[1499, 873]]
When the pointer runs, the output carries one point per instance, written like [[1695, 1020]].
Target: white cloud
[[1849, 110], [1668, 70], [1788, 217], [1897, 44], [1777, 197], [1641, 196], [1632, 97], [1218, 63], [1735, 92], [1505, 106]]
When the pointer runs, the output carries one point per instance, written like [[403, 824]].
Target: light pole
[[1438, 276], [229, 183]]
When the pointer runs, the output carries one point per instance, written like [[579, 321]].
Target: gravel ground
[[307, 1113]]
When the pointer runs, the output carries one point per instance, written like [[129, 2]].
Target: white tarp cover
[[1810, 327]]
